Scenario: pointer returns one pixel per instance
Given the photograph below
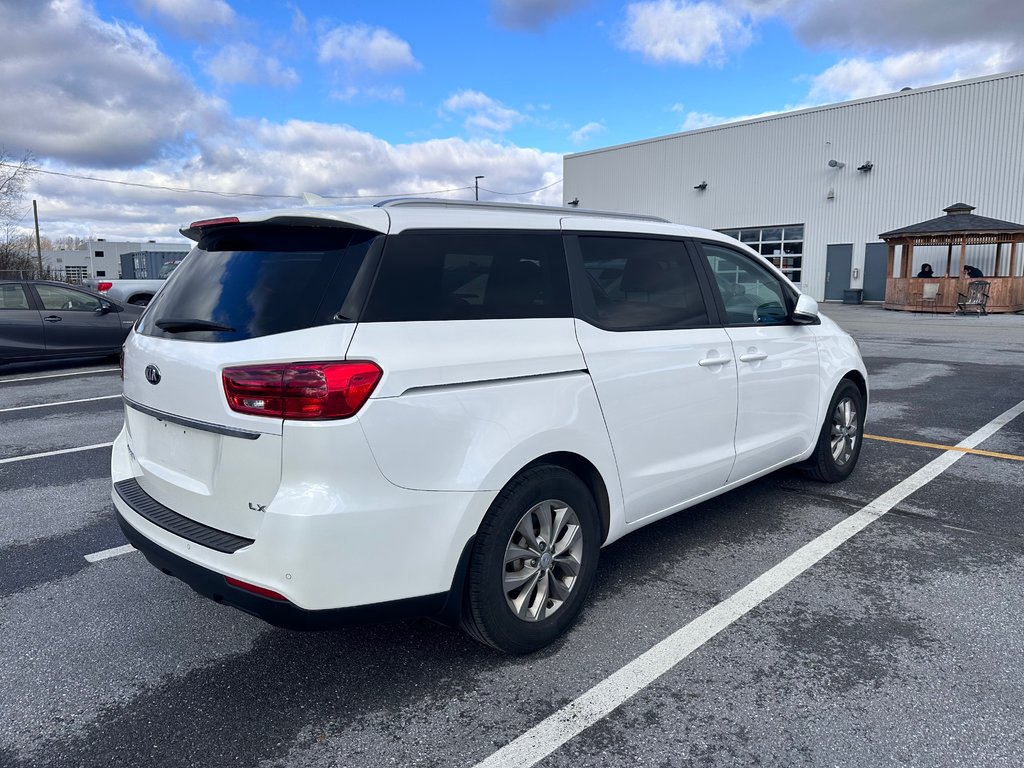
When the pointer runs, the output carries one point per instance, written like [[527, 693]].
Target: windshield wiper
[[180, 325]]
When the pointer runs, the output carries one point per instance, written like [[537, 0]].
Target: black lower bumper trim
[[278, 612], [142, 503]]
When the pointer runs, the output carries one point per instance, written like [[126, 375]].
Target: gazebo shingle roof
[[958, 220]]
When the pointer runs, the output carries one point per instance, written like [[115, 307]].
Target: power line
[[166, 188], [530, 192]]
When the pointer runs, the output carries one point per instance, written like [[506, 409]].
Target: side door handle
[[753, 357], [53, 318], [711, 362]]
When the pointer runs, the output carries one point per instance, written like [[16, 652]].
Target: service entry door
[[777, 363], [664, 374]]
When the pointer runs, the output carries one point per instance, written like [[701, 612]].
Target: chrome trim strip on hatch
[[204, 426]]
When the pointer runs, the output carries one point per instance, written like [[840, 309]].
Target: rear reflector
[[103, 287], [261, 591], [213, 222], [301, 390]]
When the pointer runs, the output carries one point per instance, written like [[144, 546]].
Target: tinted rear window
[[258, 281], [470, 275]]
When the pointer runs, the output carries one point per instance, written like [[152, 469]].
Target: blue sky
[[372, 99]]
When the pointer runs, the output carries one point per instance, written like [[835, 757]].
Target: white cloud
[[244, 63], [110, 98], [191, 18], [532, 14], [585, 133], [483, 114], [286, 158], [696, 120], [360, 47], [393, 94], [673, 31], [856, 78]]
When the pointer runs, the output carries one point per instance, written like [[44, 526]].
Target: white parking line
[[62, 402], [581, 713], [58, 375], [13, 459], [95, 557]]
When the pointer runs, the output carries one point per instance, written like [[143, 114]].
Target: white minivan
[[446, 409]]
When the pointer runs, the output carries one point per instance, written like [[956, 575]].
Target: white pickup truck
[[138, 292]]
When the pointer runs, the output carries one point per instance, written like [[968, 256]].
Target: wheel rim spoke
[[516, 579]]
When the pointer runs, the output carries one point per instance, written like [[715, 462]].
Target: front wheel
[[533, 561], [839, 441]]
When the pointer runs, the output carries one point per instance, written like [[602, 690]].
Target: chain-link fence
[[58, 275]]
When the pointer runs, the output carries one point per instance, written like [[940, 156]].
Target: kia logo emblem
[[152, 374]]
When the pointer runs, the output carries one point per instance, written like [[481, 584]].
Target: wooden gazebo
[[957, 230]]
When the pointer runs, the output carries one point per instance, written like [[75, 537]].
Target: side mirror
[[103, 308], [806, 311]]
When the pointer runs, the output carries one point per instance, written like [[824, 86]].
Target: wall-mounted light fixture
[[831, 195], [701, 187], [574, 202], [836, 164], [868, 165]]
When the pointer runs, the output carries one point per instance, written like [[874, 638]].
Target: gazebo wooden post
[[1013, 257], [949, 260], [999, 259], [907, 260], [963, 253], [892, 258]]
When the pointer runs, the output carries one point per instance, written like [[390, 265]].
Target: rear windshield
[[243, 282]]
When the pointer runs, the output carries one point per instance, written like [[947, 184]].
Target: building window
[[99, 254], [100, 273], [783, 246]]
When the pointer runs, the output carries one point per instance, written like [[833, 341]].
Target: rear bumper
[[280, 613]]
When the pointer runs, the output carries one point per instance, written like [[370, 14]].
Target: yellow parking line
[[940, 447]]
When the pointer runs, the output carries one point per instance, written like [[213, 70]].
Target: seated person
[[971, 271], [926, 271]]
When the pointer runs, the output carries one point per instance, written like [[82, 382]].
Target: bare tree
[[15, 246]]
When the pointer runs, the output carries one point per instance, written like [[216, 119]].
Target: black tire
[[140, 301], [488, 615], [842, 433]]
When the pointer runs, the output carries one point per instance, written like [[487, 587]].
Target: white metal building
[[812, 189]]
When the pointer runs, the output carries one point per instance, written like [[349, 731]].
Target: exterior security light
[[868, 165], [702, 186]]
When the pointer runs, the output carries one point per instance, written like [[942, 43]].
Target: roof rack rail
[[430, 202]]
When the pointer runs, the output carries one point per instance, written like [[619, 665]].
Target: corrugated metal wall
[[931, 147]]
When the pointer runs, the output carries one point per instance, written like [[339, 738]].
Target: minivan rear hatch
[[248, 295]]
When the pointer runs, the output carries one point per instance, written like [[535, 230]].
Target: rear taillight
[[103, 286], [301, 390]]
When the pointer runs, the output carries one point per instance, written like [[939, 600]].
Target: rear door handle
[[753, 357], [711, 362], [53, 318]]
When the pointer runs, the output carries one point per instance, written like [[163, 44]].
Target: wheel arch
[[585, 470]]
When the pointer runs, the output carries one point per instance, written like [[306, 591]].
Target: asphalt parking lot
[[874, 622]]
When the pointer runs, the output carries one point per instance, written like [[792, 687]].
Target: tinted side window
[[642, 284], [13, 297], [55, 297], [750, 293], [470, 276], [258, 280]]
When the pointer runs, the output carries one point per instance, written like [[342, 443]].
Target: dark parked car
[[41, 319]]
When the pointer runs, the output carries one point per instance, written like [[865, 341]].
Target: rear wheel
[[140, 301], [533, 561], [841, 435]]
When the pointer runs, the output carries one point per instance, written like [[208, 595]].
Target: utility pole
[[476, 186], [39, 250]]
